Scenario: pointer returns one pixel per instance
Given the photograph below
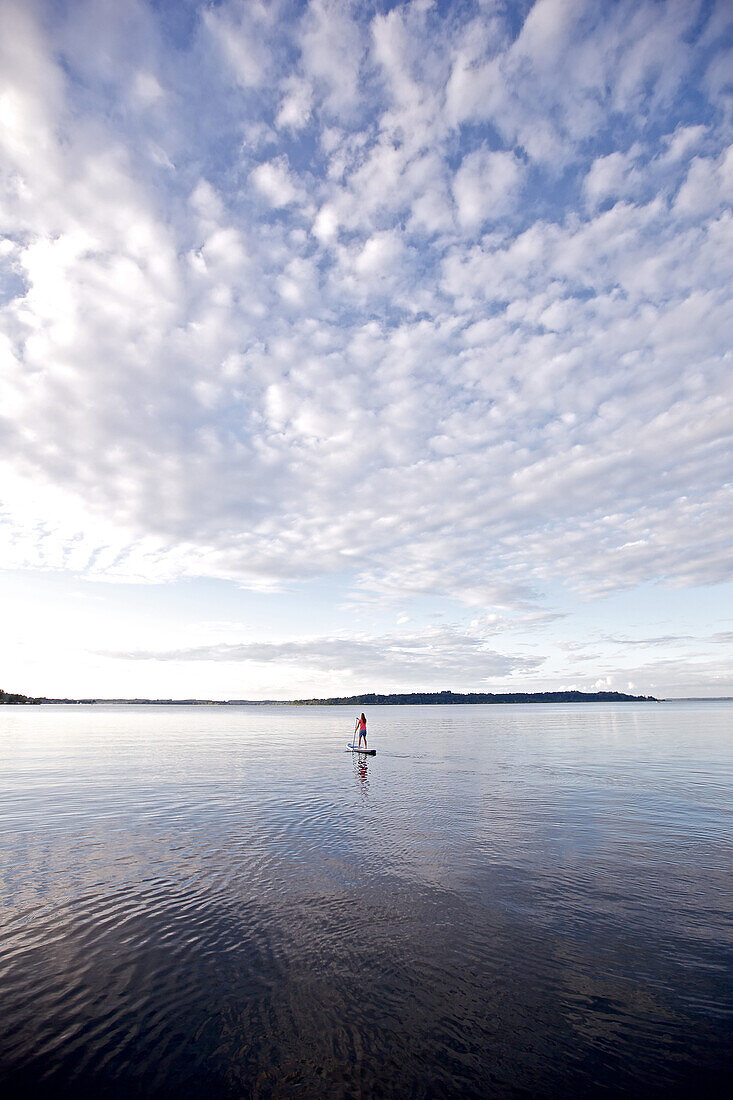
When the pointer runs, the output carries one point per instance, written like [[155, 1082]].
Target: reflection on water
[[361, 768], [534, 900]]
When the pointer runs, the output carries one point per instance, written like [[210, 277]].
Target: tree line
[[422, 697], [9, 697]]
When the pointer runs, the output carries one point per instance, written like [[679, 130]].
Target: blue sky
[[369, 346]]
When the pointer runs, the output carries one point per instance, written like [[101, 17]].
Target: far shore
[[367, 700]]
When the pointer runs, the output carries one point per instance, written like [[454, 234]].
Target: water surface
[[506, 900]]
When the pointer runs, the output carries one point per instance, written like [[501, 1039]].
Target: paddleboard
[[368, 752]]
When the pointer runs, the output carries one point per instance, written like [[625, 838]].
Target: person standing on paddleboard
[[361, 727]]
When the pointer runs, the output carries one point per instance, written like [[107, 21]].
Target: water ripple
[[534, 901]]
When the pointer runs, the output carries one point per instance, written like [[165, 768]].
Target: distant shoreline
[[367, 700]]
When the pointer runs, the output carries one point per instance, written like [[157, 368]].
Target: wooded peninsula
[[371, 699]]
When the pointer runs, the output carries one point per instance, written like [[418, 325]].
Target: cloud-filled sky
[[366, 346]]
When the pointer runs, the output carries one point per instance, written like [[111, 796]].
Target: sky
[[373, 346]]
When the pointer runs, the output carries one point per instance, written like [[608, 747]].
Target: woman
[[361, 727]]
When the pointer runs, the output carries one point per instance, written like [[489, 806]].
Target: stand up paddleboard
[[367, 752]]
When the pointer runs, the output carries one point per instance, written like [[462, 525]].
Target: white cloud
[[469, 379], [146, 90], [325, 226], [414, 660], [379, 254], [682, 142], [332, 45], [486, 186], [239, 33], [546, 30], [273, 180], [612, 176], [30, 92], [708, 185], [296, 104]]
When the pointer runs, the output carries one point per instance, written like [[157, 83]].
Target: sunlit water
[[507, 900]]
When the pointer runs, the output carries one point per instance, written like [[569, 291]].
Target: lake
[[524, 900]]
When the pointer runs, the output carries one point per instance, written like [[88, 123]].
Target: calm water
[[512, 900]]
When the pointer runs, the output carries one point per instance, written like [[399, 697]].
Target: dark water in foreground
[[514, 900]]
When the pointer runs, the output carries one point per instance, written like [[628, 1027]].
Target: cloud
[[325, 225], [332, 46], [660, 640], [424, 658], [379, 254], [273, 180], [422, 300], [708, 185], [486, 186], [296, 105], [681, 142], [239, 32], [612, 176], [680, 678], [146, 90]]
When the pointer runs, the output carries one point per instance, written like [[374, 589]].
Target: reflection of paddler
[[361, 727]]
